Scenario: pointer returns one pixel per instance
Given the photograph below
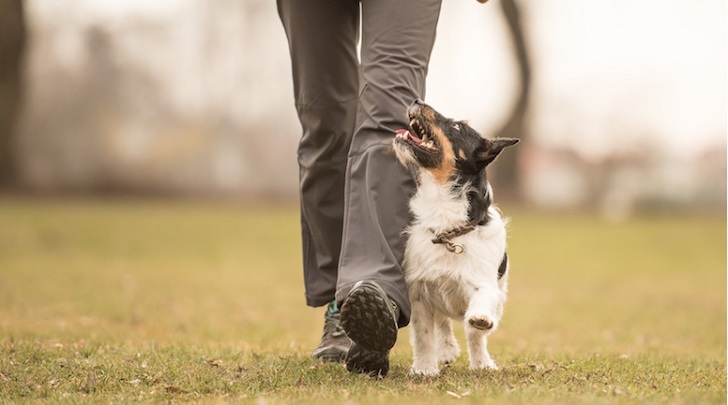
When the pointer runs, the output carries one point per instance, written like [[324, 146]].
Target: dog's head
[[447, 148]]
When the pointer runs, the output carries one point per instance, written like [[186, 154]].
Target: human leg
[[397, 39], [322, 37]]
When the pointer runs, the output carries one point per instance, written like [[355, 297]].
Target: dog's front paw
[[424, 371], [487, 364], [482, 322]]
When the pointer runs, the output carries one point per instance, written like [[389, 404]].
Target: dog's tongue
[[403, 133]]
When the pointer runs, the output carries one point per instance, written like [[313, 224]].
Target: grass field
[[129, 301]]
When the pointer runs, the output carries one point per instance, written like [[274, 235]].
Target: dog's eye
[[456, 126]]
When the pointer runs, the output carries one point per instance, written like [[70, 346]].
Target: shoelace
[[338, 331]]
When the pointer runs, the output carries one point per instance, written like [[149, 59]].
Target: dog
[[455, 265]]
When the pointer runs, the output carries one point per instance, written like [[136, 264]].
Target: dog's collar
[[444, 237]]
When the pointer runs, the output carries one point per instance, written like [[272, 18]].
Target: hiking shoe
[[363, 361], [334, 344], [369, 318]]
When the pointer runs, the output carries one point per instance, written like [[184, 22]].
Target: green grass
[[129, 301]]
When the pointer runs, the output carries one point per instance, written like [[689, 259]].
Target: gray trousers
[[353, 192]]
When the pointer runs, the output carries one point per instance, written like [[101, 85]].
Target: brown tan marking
[[444, 172], [428, 113]]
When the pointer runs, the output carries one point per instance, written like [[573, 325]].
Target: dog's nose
[[414, 108]]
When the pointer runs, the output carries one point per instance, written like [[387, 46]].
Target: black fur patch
[[503, 266], [470, 174]]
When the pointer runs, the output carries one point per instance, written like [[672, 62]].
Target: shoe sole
[[368, 318], [363, 361]]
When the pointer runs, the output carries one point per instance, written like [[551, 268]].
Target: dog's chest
[[442, 278], [447, 279]]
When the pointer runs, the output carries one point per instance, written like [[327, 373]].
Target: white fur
[[444, 285]]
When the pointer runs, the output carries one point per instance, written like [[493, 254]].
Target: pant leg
[[397, 39], [322, 37]]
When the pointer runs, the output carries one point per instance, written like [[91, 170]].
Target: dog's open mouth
[[417, 136]]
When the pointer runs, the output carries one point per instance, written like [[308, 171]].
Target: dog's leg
[[423, 340], [447, 346], [478, 349], [481, 318], [485, 309]]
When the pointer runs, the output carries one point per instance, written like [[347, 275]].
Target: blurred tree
[[505, 178], [12, 41]]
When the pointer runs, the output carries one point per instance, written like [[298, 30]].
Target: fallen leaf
[[213, 362], [454, 395]]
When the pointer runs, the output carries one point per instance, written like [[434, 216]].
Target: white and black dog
[[455, 265]]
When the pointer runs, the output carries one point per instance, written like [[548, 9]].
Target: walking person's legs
[[366, 194]]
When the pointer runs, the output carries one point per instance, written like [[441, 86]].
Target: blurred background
[[621, 105]]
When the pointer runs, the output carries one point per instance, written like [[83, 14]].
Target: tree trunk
[[12, 42], [505, 178]]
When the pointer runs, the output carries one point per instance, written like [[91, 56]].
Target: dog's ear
[[492, 148]]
